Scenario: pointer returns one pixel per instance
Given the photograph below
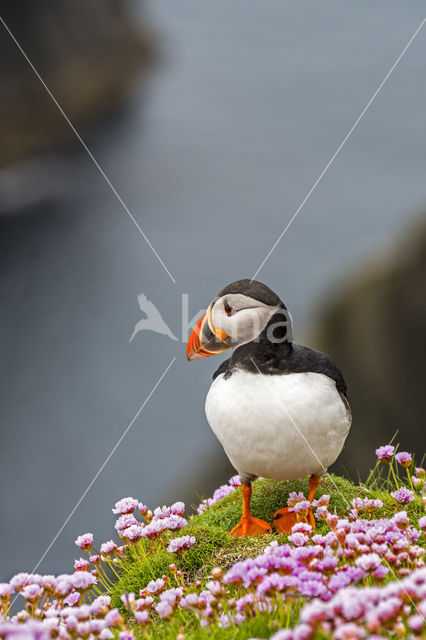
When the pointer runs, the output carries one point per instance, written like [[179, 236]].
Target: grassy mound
[[215, 548]]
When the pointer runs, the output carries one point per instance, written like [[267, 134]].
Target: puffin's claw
[[250, 526]]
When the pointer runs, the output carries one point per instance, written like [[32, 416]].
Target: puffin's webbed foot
[[284, 519], [250, 526]]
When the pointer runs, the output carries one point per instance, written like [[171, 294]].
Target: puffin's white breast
[[278, 426]]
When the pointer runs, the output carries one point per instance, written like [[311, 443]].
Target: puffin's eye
[[228, 309]]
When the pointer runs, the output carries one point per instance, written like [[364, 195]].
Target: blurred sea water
[[249, 103]]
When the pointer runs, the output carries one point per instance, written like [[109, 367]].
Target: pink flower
[[385, 453], [401, 520], [125, 505], [6, 590], [108, 547], [178, 508], [82, 580], [155, 586], [302, 527], [298, 539], [132, 533], [81, 565], [141, 617], [368, 562], [294, 498], [422, 523], [178, 544], [125, 521], [164, 609], [72, 599], [32, 592], [302, 507], [404, 458], [403, 495], [113, 618], [85, 542], [20, 580], [143, 509]]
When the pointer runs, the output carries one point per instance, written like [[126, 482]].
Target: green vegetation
[[149, 560]]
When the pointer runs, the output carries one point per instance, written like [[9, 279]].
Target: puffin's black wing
[[304, 359], [286, 358], [223, 367]]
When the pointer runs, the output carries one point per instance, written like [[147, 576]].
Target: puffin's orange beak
[[203, 342]]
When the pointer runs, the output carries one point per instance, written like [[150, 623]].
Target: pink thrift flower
[[235, 481], [72, 599], [401, 520], [82, 580], [368, 562], [20, 580], [143, 509], [32, 592], [422, 523], [125, 521], [113, 618], [85, 542], [322, 512], [302, 507], [81, 565], [132, 533], [322, 501], [404, 459], [126, 505], [6, 590], [155, 586], [178, 508], [178, 544], [108, 547], [294, 498], [385, 453], [141, 617], [403, 495], [298, 539], [302, 527]]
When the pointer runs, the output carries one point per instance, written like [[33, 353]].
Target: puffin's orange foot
[[250, 526], [284, 520]]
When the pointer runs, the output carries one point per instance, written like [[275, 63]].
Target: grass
[[215, 548]]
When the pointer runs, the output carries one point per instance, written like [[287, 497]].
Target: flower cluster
[[397, 609], [183, 542], [220, 493], [360, 574]]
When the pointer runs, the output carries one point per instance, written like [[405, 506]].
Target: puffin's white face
[[237, 319], [238, 315]]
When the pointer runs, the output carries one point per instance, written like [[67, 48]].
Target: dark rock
[[88, 54], [375, 330]]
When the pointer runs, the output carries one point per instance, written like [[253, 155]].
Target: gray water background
[[213, 158]]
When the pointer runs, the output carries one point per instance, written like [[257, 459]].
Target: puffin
[[279, 409]]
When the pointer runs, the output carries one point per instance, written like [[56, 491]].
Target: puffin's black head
[[240, 313]]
